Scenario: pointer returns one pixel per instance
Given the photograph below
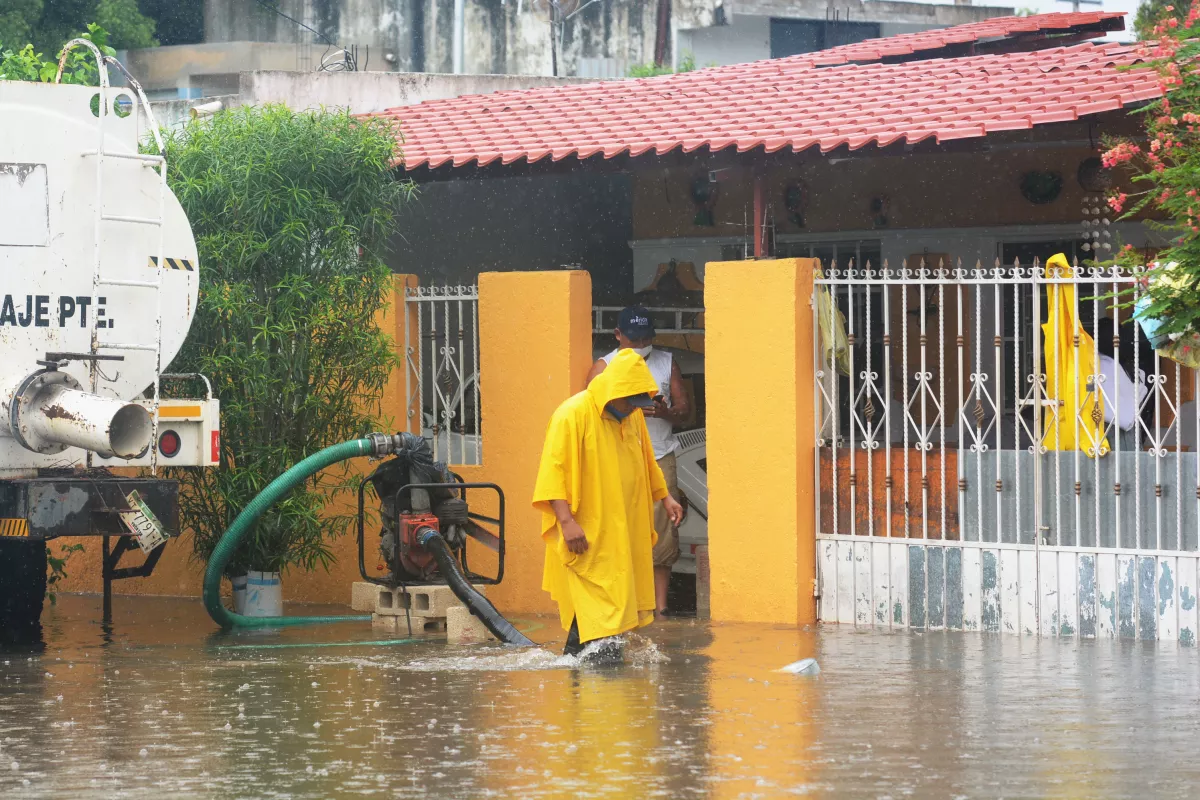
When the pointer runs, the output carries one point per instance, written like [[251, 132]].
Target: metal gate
[[1000, 450], [441, 370]]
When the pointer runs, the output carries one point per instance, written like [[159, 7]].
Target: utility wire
[[349, 60], [275, 9]]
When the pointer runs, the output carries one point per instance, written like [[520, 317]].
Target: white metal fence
[[967, 480], [441, 347]]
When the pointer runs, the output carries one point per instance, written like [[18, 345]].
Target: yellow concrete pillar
[[759, 375], [400, 394], [535, 347]]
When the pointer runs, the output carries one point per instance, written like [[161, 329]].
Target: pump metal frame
[[459, 486]]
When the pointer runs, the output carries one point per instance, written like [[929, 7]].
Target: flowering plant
[[1167, 163]]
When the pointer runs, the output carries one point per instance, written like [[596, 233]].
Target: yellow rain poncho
[[607, 473], [1068, 366]]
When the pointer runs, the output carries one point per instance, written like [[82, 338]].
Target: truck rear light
[[169, 444]]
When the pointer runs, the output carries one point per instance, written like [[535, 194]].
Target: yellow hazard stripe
[[14, 527], [182, 264], [178, 412]]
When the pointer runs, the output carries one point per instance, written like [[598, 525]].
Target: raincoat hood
[[625, 376], [1057, 266]]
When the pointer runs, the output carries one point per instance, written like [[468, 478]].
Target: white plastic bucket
[[239, 593], [264, 595]]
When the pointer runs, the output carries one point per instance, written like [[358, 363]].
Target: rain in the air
[[355, 393]]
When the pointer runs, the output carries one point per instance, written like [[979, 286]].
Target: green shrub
[[292, 212]]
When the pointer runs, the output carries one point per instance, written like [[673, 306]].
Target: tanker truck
[[100, 276]]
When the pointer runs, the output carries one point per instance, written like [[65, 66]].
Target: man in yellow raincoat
[[596, 488]]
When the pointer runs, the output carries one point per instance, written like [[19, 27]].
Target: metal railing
[[666, 320], [994, 409], [441, 346]]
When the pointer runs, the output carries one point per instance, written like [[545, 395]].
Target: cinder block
[[388, 624], [425, 601], [462, 627], [703, 583], [398, 624], [363, 596]]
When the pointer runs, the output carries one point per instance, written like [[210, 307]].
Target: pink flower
[[1117, 202]]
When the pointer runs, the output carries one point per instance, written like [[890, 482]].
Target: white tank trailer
[[98, 285]]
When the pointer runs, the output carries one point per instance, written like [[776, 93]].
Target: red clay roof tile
[[791, 102]]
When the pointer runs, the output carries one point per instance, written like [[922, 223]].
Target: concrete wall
[[744, 39], [747, 37], [417, 35], [454, 230], [363, 92], [934, 14], [208, 69]]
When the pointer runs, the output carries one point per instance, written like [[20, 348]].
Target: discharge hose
[[475, 602], [244, 523]]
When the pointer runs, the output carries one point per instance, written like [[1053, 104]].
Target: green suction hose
[[241, 526]]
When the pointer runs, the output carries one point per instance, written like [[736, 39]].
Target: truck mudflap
[[49, 507]]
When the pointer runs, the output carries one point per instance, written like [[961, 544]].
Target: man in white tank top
[[635, 331]]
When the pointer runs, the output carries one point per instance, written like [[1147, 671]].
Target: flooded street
[[162, 706]]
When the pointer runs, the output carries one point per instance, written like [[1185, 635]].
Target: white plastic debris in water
[[805, 666]]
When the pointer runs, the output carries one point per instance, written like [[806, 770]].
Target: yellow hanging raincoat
[[1069, 361], [607, 473]]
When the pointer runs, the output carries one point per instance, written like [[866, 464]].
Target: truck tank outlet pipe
[[80, 419], [241, 527], [49, 411], [476, 603]]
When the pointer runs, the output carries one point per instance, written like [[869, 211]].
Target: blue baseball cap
[[636, 324]]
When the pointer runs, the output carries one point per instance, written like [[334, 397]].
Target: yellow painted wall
[[761, 524], [535, 349]]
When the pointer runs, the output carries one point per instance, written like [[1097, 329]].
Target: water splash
[[638, 652]]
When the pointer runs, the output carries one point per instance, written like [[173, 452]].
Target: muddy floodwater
[[159, 706]]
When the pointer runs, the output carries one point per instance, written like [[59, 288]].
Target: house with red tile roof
[[900, 158], [972, 143]]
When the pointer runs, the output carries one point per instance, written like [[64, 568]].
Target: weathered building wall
[[514, 36], [507, 38], [418, 35], [937, 15]]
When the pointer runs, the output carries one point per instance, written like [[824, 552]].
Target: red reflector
[[168, 444], [216, 447]]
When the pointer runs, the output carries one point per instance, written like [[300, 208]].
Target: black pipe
[[475, 602]]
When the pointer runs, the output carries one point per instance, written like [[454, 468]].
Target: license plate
[[142, 523]]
